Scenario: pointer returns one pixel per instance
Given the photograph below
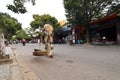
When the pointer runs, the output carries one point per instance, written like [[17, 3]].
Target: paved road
[[76, 62]]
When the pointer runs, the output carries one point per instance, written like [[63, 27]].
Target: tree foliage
[[31, 31], [9, 25], [114, 8], [41, 20], [20, 34], [18, 6], [81, 12]]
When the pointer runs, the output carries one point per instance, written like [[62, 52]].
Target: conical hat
[[48, 28]]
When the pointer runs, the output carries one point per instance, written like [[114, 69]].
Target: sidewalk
[[9, 68]]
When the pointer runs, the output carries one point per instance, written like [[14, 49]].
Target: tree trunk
[[88, 35], [2, 46]]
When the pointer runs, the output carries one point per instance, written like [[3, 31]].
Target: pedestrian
[[48, 38], [23, 41]]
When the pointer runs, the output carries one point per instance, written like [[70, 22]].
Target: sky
[[53, 7]]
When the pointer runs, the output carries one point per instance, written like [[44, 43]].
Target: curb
[[24, 71], [5, 61], [5, 68], [15, 72]]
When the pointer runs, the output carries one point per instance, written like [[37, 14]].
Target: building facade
[[106, 29]]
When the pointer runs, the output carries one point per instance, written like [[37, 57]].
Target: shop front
[[106, 30]]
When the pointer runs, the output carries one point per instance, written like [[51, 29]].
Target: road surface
[[77, 62]]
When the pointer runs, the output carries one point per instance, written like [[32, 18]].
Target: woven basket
[[39, 53]]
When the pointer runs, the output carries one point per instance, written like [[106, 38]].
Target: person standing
[[48, 34], [23, 41]]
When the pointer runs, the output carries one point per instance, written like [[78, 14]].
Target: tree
[[81, 12], [9, 25], [32, 32], [41, 20], [22, 34], [114, 8], [18, 6]]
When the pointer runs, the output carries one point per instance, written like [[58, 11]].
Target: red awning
[[110, 17], [78, 27]]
